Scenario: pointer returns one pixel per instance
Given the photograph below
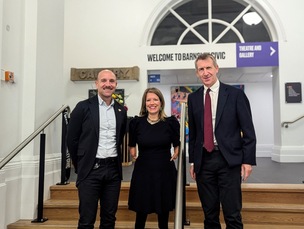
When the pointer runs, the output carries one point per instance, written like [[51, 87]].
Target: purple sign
[[257, 54]]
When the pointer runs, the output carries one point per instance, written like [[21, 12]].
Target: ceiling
[[226, 75]]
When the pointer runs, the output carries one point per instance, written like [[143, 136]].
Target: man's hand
[[191, 170], [246, 170]]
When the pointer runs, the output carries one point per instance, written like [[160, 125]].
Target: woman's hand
[[175, 154], [133, 152]]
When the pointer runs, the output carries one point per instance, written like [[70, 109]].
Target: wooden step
[[55, 224], [273, 193], [259, 193], [69, 191], [262, 203], [251, 212], [264, 206]]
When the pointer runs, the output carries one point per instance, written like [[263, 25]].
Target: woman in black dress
[[153, 183]]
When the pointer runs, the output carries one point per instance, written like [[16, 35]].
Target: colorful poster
[[179, 95]]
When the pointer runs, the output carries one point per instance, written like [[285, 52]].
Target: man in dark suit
[[220, 170], [95, 135]]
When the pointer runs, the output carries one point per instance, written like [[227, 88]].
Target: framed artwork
[[179, 94], [293, 92]]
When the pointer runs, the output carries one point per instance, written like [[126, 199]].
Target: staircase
[[265, 206]]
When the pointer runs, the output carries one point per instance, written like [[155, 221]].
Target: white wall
[[12, 33], [289, 143], [32, 47]]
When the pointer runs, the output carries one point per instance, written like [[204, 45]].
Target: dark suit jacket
[[233, 117], [83, 135]]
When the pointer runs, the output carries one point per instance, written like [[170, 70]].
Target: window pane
[[170, 29], [193, 11]]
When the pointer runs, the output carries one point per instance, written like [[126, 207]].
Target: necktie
[[208, 130]]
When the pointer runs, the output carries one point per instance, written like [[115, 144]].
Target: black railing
[[65, 155], [65, 111]]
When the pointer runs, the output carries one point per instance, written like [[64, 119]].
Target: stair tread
[[192, 186], [55, 203], [273, 187], [72, 186], [262, 206], [125, 225], [266, 206]]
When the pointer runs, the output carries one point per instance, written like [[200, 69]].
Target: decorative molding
[[90, 74]]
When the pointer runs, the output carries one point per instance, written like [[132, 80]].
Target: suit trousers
[[220, 185], [102, 184]]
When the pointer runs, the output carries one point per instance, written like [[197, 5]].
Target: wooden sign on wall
[[90, 74]]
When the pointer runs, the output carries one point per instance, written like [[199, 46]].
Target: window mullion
[[210, 21]]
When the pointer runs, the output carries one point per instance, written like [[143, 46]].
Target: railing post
[[180, 209], [65, 157], [40, 218], [186, 222]]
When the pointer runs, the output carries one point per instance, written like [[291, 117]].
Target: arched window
[[210, 22]]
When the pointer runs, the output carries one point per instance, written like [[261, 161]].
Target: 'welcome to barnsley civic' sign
[[228, 55]]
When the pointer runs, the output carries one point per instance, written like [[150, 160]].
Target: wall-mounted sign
[[257, 54], [293, 93], [90, 74], [154, 78], [228, 55]]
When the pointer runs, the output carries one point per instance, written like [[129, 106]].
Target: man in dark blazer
[[219, 172], [95, 135]]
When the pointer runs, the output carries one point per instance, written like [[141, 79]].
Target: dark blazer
[[83, 135], [234, 130]]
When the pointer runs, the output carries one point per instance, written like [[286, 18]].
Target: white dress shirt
[[107, 130]]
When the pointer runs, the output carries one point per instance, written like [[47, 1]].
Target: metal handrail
[[180, 197], [12, 154], [286, 124]]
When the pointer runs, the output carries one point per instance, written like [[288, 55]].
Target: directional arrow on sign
[[272, 51]]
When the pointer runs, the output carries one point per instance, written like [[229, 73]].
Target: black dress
[[153, 183]]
